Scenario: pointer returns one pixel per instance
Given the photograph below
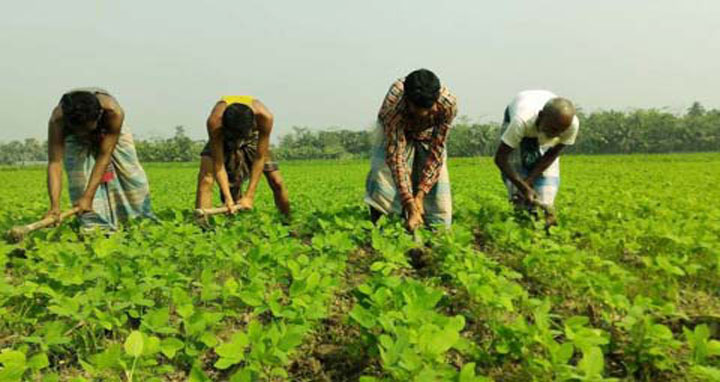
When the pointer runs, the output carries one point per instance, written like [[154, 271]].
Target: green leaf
[[232, 352], [292, 338], [13, 365], [134, 344], [362, 316], [312, 281], [198, 375], [713, 348], [662, 331], [456, 323], [38, 361], [54, 333], [244, 375], [108, 359], [151, 345], [564, 352], [89, 368], [592, 363], [297, 287], [209, 339], [279, 372], [185, 311], [255, 330], [467, 373], [702, 332], [51, 377], [710, 374], [251, 299], [577, 322], [170, 346], [224, 363], [156, 319], [436, 342]]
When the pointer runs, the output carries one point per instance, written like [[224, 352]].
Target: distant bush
[[601, 132]]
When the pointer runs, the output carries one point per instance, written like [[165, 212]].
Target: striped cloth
[[524, 159], [382, 194], [124, 192], [546, 186]]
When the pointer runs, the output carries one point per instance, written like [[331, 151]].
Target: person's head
[[238, 120], [81, 111], [556, 117], [422, 90]]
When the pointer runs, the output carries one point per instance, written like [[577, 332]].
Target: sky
[[324, 64]]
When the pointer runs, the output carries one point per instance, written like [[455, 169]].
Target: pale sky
[[329, 63]]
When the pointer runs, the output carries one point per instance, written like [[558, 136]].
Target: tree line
[[601, 132]]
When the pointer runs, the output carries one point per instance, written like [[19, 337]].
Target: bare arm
[[113, 120], [264, 120], [547, 159], [214, 124], [56, 147], [502, 161]]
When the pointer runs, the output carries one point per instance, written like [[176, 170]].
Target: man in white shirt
[[540, 124]]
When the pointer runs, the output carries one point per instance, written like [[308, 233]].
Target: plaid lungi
[[381, 192], [124, 192]]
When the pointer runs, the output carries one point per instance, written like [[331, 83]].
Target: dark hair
[[238, 119], [422, 88], [80, 107]]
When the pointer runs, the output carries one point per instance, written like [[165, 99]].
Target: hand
[[245, 203], [420, 203], [84, 204], [54, 213], [230, 205], [414, 218], [528, 194]]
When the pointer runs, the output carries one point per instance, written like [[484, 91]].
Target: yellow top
[[245, 100]]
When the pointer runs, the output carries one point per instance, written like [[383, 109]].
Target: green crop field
[[627, 288]]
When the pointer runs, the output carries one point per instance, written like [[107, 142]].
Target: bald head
[[556, 116]]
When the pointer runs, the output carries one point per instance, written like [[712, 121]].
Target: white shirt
[[523, 111]]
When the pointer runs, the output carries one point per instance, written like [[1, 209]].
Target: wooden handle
[[48, 221], [204, 212], [18, 232]]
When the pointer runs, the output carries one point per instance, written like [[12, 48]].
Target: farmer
[[105, 178], [540, 124], [239, 129], [408, 174]]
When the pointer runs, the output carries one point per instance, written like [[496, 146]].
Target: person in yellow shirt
[[239, 129]]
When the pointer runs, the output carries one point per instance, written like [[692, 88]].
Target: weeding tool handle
[[18, 232], [210, 211], [48, 221]]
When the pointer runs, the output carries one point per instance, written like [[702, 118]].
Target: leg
[[280, 193], [206, 179]]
